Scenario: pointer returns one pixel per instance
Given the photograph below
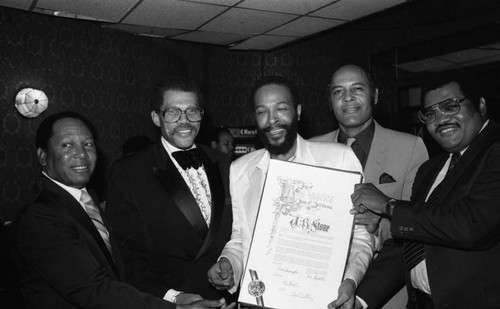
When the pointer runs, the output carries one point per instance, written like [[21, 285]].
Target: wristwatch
[[389, 207]]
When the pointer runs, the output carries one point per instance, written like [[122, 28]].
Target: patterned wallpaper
[[103, 74], [107, 75]]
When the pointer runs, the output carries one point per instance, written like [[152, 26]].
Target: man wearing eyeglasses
[[169, 204], [449, 231]]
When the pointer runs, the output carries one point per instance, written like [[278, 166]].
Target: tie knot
[[188, 158], [85, 198], [350, 141], [454, 158]]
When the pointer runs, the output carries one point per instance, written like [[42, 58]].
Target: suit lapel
[[177, 189], [427, 179], [218, 198], [67, 203], [375, 163], [254, 189], [482, 141]]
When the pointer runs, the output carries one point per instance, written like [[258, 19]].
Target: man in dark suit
[[66, 255], [449, 232], [169, 204]]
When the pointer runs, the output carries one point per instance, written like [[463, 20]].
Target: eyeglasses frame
[[183, 112], [433, 107]]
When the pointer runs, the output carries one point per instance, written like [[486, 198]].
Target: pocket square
[[385, 178]]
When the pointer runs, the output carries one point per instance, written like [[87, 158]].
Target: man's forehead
[[272, 94], [65, 124], [174, 96], [448, 91], [350, 76]]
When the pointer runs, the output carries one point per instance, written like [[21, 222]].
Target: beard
[[289, 138]]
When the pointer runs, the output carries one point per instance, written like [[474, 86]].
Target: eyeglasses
[[173, 114], [447, 107]]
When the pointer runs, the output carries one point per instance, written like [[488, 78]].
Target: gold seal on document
[[256, 288]]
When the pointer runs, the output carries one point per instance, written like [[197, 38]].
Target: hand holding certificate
[[302, 235]]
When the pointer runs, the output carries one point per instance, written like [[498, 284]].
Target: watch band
[[389, 207]]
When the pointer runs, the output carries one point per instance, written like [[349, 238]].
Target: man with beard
[[169, 204], [277, 112]]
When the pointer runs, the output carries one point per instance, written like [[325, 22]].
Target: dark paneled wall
[[373, 42], [107, 75], [104, 74]]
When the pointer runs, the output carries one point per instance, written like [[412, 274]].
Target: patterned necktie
[[414, 252], [95, 215], [188, 158]]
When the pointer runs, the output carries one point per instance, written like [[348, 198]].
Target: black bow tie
[[187, 159]]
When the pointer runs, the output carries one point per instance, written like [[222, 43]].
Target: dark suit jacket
[[461, 233], [163, 236], [63, 261]]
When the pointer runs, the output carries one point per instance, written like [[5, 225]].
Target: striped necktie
[[94, 214], [414, 252]]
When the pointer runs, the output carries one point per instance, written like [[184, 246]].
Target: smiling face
[[182, 133], [277, 120], [352, 98], [71, 155], [455, 132]]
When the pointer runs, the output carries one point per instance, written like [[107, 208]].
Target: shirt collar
[[482, 128], [76, 193], [363, 138]]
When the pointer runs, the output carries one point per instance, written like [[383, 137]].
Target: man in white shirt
[[277, 112]]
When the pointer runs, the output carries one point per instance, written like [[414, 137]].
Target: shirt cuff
[[171, 295], [362, 302]]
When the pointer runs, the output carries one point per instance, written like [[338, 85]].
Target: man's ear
[[299, 111], [156, 118], [482, 107], [213, 144], [42, 156], [375, 96]]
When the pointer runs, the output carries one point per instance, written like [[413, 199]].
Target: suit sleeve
[[360, 254], [467, 219], [385, 276], [233, 249], [52, 247], [128, 226]]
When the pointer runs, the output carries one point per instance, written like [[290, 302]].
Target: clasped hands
[[368, 205], [195, 301], [221, 274]]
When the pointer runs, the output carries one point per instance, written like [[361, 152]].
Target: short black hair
[[215, 133], [469, 84], [181, 83], [276, 80], [46, 128]]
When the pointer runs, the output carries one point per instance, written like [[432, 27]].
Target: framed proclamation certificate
[[302, 237]]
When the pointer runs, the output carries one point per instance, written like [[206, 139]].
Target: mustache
[[274, 127], [447, 124], [184, 126]]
